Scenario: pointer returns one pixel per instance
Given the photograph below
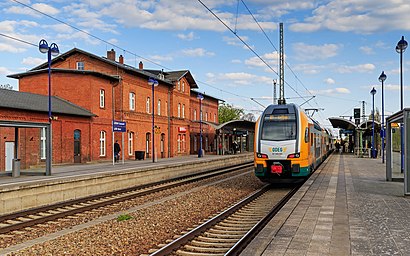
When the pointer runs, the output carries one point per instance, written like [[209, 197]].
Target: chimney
[[111, 55], [121, 59], [141, 65]]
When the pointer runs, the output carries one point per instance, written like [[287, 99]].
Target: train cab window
[[306, 135], [278, 127], [311, 139]]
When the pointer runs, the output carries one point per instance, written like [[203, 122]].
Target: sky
[[334, 50]]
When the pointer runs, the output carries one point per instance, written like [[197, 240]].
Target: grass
[[123, 217]]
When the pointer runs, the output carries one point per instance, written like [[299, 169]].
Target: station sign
[[119, 126], [181, 129]]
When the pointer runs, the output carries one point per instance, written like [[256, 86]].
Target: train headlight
[[260, 155], [295, 155]]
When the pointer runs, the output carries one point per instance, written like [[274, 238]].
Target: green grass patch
[[123, 217]]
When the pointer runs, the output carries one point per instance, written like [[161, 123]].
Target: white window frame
[[132, 101], [148, 105], [103, 143], [183, 86], [130, 143], [102, 98], [159, 108], [194, 114], [43, 140], [179, 85], [179, 143], [80, 65], [206, 116], [183, 110], [179, 110]]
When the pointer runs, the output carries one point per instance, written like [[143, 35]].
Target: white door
[[9, 156]]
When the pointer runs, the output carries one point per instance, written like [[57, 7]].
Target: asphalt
[[346, 208]]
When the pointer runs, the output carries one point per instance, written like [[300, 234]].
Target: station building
[[88, 92]]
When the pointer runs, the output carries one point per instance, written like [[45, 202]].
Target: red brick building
[[111, 90]]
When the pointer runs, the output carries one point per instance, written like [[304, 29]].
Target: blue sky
[[336, 49]]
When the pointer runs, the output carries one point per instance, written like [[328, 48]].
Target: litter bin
[[139, 155], [16, 168]]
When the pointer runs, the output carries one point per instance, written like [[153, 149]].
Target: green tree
[[227, 112]]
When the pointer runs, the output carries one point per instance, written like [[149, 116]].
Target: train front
[[277, 144]]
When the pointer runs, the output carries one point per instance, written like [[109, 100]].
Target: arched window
[[132, 101], [183, 86], [159, 108], [130, 143], [194, 114], [179, 110], [179, 143], [148, 106], [102, 98], [103, 136], [183, 110]]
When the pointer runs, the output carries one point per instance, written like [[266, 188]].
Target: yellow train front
[[289, 145]]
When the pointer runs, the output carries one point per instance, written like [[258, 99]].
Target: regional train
[[289, 145]]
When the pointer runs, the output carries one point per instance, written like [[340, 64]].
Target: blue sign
[[119, 126]]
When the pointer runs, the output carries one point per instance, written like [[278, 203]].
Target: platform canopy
[[338, 122]]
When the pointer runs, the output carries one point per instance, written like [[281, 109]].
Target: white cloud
[[187, 37], [235, 79], [367, 50], [331, 91], [271, 58], [10, 48], [4, 71], [159, 58], [329, 81], [33, 61], [310, 69], [311, 52], [197, 52], [45, 8], [236, 61], [362, 68]]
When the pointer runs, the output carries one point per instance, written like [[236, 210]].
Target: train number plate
[[276, 169]]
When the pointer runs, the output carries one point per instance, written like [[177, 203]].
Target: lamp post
[[373, 151], [382, 78], [400, 48], [200, 97], [51, 50], [153, 83]]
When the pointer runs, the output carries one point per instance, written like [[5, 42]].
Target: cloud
[[362, 68], [197, 52], [310, 69], [329, 81], [366, 16], [235, 79], [271, 58], [159, 58], [366, 50], [187, 37], [311, 52], [30, 61], [10, 48], [4, 71], [44, 8], [333, 91]]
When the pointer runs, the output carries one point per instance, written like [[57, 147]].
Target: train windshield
[[279, 127]]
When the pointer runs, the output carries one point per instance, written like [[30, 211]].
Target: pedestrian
[[220, 148], [117, 150], [234, 146]]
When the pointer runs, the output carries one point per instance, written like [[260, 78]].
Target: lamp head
[[382, 77], [200, 96], [43, 46], [373, 91], [54, 49], [401, 45], [152, 82]]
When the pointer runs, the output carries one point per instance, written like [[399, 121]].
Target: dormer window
[[80, 65], [183, 86]]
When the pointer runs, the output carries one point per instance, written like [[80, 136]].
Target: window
[[214, 118], [183, 143], [130, 143], [206, 116], [103, 135], [80, 65], [43, 143], [307, 135], [279, 127], [179, 143], [179, 110], [159, 108], [195, 144], [132, 101], [194, 114], [166, 108], [147, 106], [183, 110], [183, 86], [200, 116], [179, 85], [102, 98]]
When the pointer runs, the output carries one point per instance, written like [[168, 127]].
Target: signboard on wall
[[181, 129], [119, 126]]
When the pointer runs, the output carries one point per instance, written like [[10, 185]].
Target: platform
[[346, 208]]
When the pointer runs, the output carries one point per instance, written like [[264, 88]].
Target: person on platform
[[117, 150]]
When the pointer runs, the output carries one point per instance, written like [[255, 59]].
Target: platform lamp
[[51, 50], [373, 150], [382, 78], [200, 97], [153, 83], [400, 48]]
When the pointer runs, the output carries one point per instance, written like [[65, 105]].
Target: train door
[[9, 156]]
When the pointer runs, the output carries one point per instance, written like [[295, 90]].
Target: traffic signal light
[[356, 113]]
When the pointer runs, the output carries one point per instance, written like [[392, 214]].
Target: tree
[[249, 117], [6, 86], [228, 113]]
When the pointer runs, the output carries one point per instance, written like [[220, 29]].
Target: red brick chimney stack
[[141, 65], [111, 55], [121, 59]]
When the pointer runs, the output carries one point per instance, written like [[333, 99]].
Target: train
[[289, 144]]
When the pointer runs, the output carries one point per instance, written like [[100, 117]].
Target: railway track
[[32, 217], [229, 232]]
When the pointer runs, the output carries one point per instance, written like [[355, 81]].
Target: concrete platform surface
[[346, 208]]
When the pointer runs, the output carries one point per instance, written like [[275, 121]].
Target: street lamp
[[400, 48], [200, 97], [153, 83], [373, 151], [50, 50], [382, 78]]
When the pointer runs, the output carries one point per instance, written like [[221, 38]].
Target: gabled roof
[[125, 67], [174, 76], [36, 102], [205, 95]]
